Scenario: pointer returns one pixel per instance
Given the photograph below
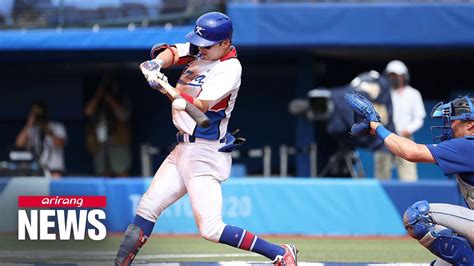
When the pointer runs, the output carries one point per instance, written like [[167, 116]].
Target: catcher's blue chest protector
[[454, 156]]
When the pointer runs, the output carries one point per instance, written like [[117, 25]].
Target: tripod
[[343, 160]]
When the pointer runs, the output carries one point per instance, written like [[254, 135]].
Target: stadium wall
[[329, 207], [285, 24]]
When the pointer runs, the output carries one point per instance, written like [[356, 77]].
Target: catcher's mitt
[[364, 113]]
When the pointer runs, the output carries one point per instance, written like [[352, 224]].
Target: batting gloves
[[151, 71], [152, 65]]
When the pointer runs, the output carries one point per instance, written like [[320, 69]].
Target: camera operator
[[45, 139], [327, 105]]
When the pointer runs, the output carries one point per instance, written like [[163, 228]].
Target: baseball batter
[[444, 229], [201, 161]]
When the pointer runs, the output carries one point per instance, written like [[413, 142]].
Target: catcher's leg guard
[[441, 241], [132, 241], [417, 219], [453, 248]]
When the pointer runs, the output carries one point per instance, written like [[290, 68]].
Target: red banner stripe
[[247, 242], [62, 201]]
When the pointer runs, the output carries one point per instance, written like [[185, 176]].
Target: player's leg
[[166, 188], [457, 218], [206, 200], [406, 170], [203, 173], [433, 226]]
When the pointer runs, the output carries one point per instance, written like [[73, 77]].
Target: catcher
[[444, 229]]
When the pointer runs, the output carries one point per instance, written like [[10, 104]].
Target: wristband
[[187, 97], [382, 132]]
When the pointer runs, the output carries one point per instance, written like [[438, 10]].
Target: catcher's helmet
[[461, 108], [211, 28]]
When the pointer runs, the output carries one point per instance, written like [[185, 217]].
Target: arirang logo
[[61, 217]]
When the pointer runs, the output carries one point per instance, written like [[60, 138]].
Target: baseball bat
[[201, 119]]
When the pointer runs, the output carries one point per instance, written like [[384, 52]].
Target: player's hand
[[364, 113], [153, 81], [360, 128], [151, 71], [151, 68], [152, 65]]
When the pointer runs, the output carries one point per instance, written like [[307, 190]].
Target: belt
[[185, 138]]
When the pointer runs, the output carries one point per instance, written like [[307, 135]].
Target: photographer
[[108, 132], [45, 139]]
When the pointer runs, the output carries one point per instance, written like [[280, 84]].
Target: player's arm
[[162, 56], [402, 147], [167, 54], [368, 122]]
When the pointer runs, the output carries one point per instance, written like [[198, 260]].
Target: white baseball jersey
[[215, 81]]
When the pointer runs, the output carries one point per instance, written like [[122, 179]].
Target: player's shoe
[[289, 258], [132, 241]]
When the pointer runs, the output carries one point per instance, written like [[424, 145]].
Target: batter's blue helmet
[[211, 28]]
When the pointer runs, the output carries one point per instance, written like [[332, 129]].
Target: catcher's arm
[[368, 122], [402, 147]]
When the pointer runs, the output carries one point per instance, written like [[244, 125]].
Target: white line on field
[[106, 255], [95, 258]]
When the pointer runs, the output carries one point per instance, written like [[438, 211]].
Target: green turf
[[311, 249]]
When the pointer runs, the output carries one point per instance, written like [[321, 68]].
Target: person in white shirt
[[408, 115], [45, 139]]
